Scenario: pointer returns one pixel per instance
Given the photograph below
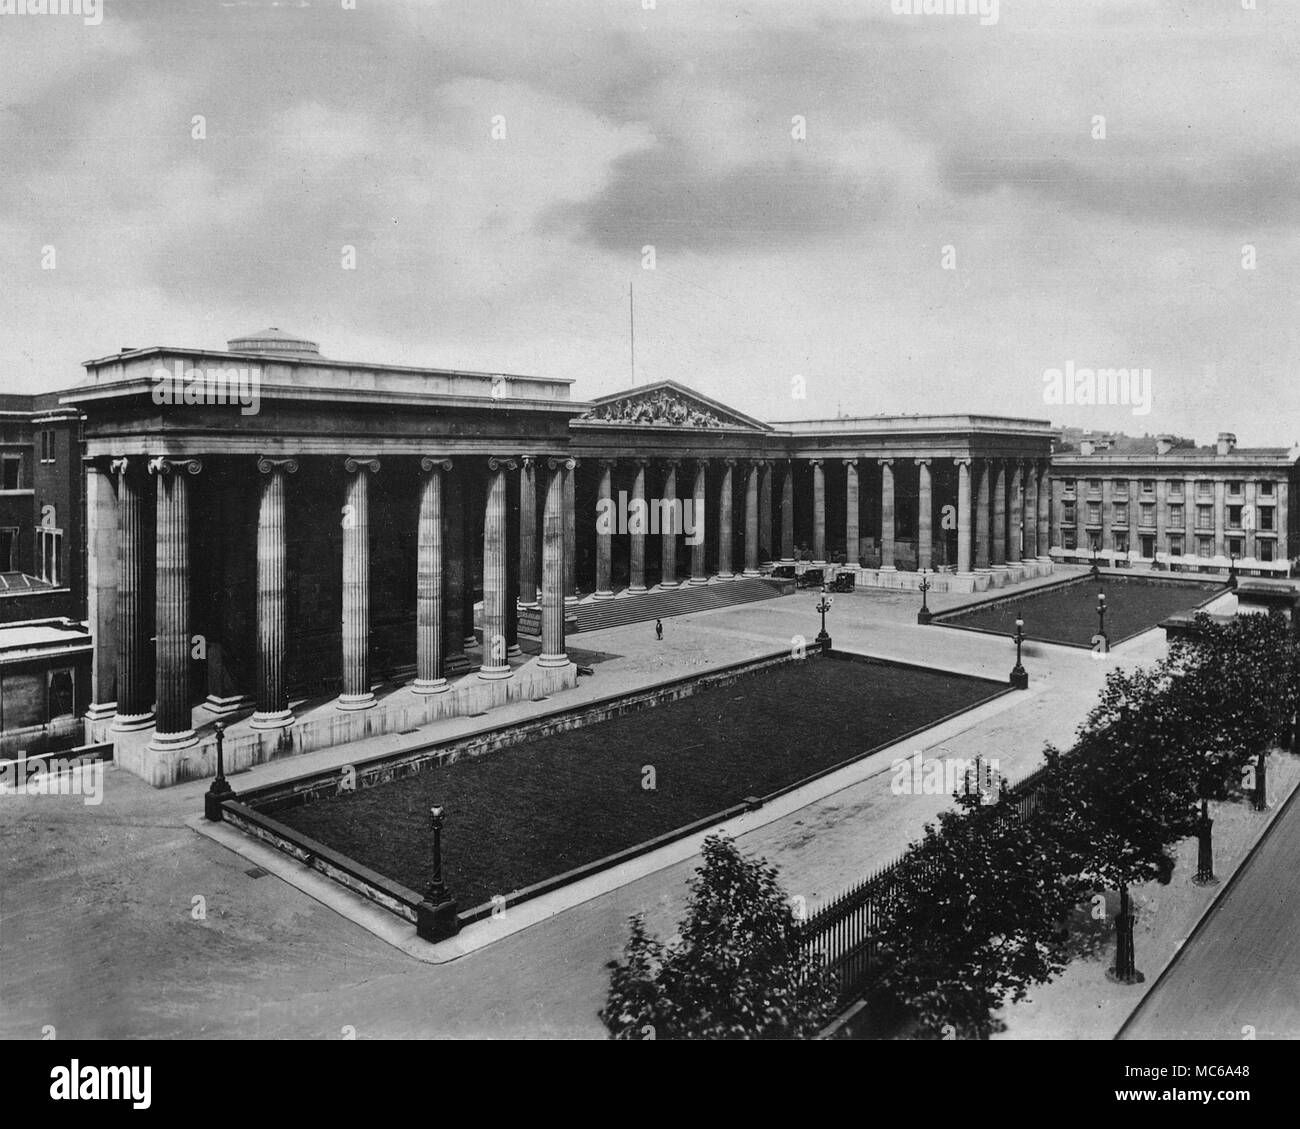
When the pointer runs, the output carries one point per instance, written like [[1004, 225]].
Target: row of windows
[[49, 544], [47, 445], [1236, 488], [1235, 517], [1146, 543]]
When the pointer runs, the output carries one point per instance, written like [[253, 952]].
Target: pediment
[[668, 404]]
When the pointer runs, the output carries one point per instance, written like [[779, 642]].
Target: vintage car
[[812, 578]]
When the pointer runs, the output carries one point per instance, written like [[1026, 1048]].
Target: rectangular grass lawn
[[532, 811], [1068, 613]]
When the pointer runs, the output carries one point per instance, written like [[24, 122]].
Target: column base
[[569, 600], [131, 723], [100, 711], [528, 604], [470, 640], [725, 576], [220, 706], [494, 673], [513, 651], [637, 589], [751, 572], [170, 742], [887, 568], [279, 719], [670, 584], [603, 595], [429, 686], [356, 701], [698, 580], [561, 659]]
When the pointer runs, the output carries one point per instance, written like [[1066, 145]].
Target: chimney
[[1226, 444], [1085, 446], [1164, 444]]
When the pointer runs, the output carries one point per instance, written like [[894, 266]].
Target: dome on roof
[[275, 341]]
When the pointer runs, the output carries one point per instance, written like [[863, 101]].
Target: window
[[47, 446], [1067, 513], [1205, 547], [1121, 542], [1234, 517], [1265, 549], [1094, 486], [1234, 546], [1204, 488], [51, 546], [1148, 486], [1148, 515], [1119, 513], [1069, 539], [1234, 488], [1266, 487], [1175, 486], [1119, 485], [1204, 517], [1148, 543], [8, 547], [60, 698], [11, 475], [1267, 517], [1094, 540], [1175, 546], [1176, 516], [1094, 513]]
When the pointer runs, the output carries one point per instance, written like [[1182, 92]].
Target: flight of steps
[[659, 603]]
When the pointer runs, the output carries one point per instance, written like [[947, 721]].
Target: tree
[[737, 972]]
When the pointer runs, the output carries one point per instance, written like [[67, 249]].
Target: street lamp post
[[1095, 572], [1232, 570], [1019, 677], [824, 605], [1259, 798], [924, 615], [1101, 622], [437, 891], [220, 788], [436, 916]]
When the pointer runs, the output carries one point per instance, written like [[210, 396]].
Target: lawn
[[532, 811], [1068, 614]]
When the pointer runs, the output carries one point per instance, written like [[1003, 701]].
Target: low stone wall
[[981, 580], [396, 713]]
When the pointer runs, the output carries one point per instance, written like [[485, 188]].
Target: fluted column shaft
[[429, 677], [135, 692], [699, 575], [669, 529], [924, 531], [636, 530], [553, 566], [984, 472], [101, 588], [725, 535], [887, 513], [570, 533], [819, 512], [453, 574], [356, 694], [495, 532], [999, 548], [174, 726], [766, 549], [527, 532], [963, 516], [751, 521], [604, 533], [1044, 510], [1029, 478], [1017, 520], [852, 531], [272, 604], [787, 513]]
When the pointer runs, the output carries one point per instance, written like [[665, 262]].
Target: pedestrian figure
[[659, 629]]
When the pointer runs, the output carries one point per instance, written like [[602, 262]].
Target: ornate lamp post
[[824, 605], [220, 788], [437, 891], [1232, 570], [1095, 571], [1019, 676], [924, 615], [1101, 622], [436, 916]]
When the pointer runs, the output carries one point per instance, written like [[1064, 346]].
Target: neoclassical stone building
[[269, 529]]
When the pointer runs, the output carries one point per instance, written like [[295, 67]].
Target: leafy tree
[[737, 972]]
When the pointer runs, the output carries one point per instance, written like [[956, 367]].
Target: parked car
[[784, 572], [812, 578], [844, 582]]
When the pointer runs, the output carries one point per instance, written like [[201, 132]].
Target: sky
[[820, 206]]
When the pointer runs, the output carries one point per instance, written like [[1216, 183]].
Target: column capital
[[352, 465], [963, 461], [431, 462], [674, 463], [815, 462], [162, 464], [562, 463], [728, 462], [922, 461], [850, 463], [497, 462], [266, 465], [885, 462], [525, 461], [607, 464], [119, 465]]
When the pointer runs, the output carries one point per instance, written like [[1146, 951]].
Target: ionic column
[[964, 506], [925, 505], [496, 662], [1044, 531], [1162, 519], [725, 538], [429, 676], [356, 694], [174, 727], [101, 587], [135, 692], [887, 515], [819, 512], [787, 513], [604, 530], [1030, 549], [751, 521], [527, 532], [453, 573], [852, 531], [636, 527], [765, 513], [272, 710], [699, 574], [999, 548], [570, 534], [1220, 523], [668, 515], [1017, 515], [553, 653], [984, 472]]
